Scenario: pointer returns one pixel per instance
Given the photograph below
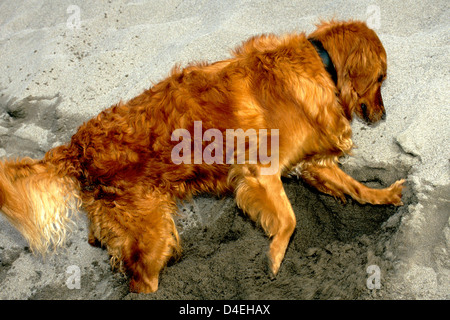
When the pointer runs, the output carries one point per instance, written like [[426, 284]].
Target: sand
[[61, 63]]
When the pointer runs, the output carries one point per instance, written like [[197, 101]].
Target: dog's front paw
[[395, 193]]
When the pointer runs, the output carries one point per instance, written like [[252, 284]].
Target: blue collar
[[328, 64]]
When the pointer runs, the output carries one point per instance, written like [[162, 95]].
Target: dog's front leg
[[263, 198], [332, 180]]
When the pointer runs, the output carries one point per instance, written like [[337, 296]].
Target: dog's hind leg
[[263, 198], [138, 230]]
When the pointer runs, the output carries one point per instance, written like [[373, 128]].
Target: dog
[[291, 96]]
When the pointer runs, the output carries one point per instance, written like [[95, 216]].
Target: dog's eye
[[380, 78]]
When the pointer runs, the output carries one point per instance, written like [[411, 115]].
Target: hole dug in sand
[[224, 253]]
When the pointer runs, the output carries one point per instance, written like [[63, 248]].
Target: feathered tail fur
[[38, 201]]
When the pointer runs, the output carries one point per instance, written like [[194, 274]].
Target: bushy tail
[[38, 201]]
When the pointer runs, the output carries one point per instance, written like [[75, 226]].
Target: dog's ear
[[359, 70], [354, 80]]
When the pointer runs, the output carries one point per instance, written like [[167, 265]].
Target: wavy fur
[[38, 202]]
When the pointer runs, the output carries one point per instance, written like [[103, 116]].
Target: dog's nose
[[364, 110], [383, 117]]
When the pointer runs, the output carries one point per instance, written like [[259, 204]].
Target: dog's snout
[[383, 116]]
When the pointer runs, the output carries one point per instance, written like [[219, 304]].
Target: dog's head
[[360, 62]]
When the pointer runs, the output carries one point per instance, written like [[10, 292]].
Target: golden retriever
[[280, 103]]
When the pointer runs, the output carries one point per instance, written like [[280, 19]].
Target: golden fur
[[119, 165]]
